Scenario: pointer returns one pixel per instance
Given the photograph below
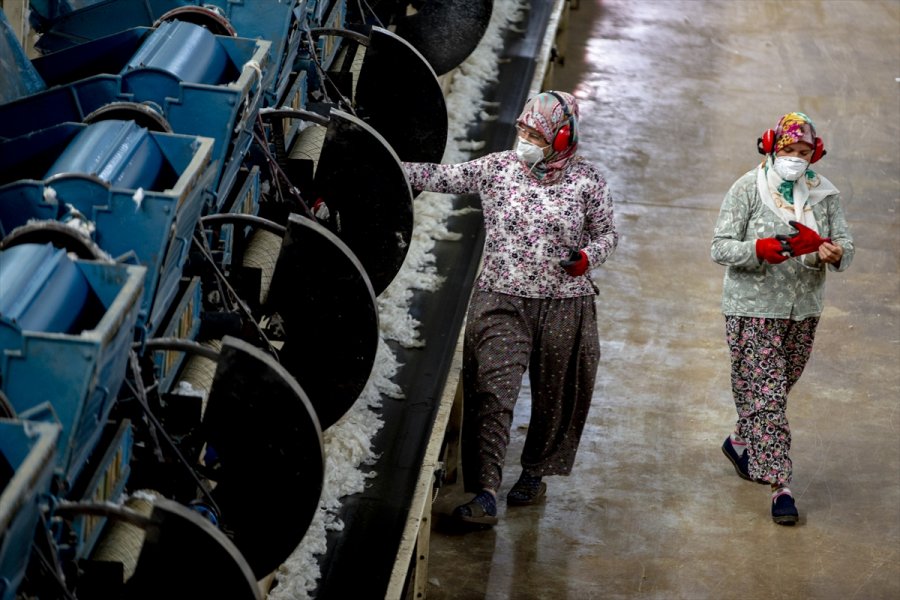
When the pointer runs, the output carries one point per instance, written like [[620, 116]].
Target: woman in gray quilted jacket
[[780, 229]]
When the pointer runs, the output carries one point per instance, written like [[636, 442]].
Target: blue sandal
[[481, 510]]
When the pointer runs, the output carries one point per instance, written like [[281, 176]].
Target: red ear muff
[[563, 138], [819, 151], [766, 144]]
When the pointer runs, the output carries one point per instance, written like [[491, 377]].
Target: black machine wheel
[[322, 294], [271, 461]]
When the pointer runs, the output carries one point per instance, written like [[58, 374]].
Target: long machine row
[[199, 205]]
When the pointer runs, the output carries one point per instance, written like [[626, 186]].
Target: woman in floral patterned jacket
[[780, 227], [548, 219]]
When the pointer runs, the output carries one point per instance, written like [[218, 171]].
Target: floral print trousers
[[557, 341], [767, 358]]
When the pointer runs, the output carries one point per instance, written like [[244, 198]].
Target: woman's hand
[[830, 253], [576, 264]]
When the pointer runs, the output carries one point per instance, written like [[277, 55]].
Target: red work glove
[[576, 264], [772, 250], [804, 241], [320, 210]]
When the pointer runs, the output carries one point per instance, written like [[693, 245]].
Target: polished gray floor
[[673, 95]]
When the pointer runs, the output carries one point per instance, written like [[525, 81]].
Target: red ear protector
[[766, 145], [566, 135]]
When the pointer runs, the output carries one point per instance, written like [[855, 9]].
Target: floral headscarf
[[792, 128], [793, 200], [546, 115]]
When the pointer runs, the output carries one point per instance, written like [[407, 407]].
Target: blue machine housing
[[154, 226], [27, 453], [77, 363], [283, 23], [215, 94], [146, 124]]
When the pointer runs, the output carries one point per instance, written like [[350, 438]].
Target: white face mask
[[790, 168], [529, 153]]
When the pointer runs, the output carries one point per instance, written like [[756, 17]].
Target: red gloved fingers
[[577, 263], [771, 250], [320, 209], [806, 240]]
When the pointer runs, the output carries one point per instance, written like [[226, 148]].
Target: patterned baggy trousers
[[767, 358], [556, 339]]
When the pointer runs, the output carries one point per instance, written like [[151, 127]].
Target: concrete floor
[[673, 95]]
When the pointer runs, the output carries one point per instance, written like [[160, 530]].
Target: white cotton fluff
[[184, 388], [138, 198]]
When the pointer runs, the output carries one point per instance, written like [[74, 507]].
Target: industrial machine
[[181, 186]]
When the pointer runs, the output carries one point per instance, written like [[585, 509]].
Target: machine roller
[[159, 549], [382, 79], [239, 430], [65, 329], [178, 77], [71, 174], [199, 205]]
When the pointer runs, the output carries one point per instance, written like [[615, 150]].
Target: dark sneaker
[[739, 462], [784, 512]]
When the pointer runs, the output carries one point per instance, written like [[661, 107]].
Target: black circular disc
[[400, 96], [322, 294], [368, 196], [446, 32], [270, 465]]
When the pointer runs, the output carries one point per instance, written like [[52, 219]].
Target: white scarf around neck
[[807, 193]]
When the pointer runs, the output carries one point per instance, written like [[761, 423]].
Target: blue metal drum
[[186, 51], [66, 377], [176, 53], [119, 153], [42, 289], [140, 193]]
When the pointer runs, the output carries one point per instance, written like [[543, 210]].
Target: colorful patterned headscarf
[[792, 128], [546, 115]]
